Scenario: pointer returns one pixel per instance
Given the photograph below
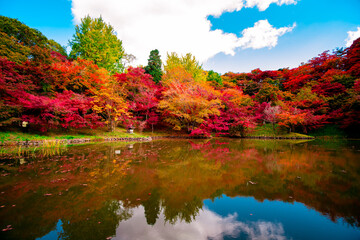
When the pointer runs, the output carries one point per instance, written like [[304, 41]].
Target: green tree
[[214, 77], [154, 66], [97, 41], [12, 50], [267, 92], [18, 40]]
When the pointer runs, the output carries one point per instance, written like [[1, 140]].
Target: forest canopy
[[40, 84]]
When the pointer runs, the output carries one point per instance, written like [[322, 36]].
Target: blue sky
[[233, 36]]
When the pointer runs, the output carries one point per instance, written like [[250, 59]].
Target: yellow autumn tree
[[187, 103], [109, 100], [188, 63]]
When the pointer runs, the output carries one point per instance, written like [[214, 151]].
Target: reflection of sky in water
[[53, 234], [297, 220], [207, 225], [240, 218], [234, 218]]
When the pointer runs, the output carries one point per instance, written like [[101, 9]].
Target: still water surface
[[182, 189]]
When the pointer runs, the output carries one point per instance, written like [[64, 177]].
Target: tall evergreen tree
[[154, 66]]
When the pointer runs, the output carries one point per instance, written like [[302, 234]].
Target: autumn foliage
[[40, 85]]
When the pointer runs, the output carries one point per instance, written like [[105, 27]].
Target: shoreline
[[52, 142]]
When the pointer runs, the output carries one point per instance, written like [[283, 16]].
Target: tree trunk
[[111, 125]]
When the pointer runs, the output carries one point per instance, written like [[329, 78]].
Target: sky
[[226, 35]]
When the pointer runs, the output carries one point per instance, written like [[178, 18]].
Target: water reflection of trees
[[152, 207], [102, 223], [187, 212], [86, 185]]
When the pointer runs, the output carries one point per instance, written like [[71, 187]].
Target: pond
[[182, 189]]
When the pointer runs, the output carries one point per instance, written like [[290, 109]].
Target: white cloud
[[352, 36], [264, 4], [178, 25], [262, 35], [207, 225]]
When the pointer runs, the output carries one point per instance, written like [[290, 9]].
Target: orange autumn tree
[[84, 76], [291, 117], [109, 101], [187, 103], [78, 76]]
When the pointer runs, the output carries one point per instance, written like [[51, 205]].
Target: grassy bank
[[16, 136], [267, 130], [264, 131], [330, 132]]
